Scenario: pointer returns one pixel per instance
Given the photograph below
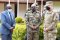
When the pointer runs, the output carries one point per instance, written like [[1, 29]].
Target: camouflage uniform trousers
[[49, 35], [32, 35]]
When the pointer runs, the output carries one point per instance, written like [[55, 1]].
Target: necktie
[[10, 16]]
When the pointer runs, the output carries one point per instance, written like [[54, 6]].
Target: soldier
[[50, 20], [33, 19]]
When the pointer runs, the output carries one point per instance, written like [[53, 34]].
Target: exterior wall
[[57, 5], [13, 7], [22, 10], [1, 7]]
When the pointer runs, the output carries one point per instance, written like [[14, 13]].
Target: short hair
[[8, 6]]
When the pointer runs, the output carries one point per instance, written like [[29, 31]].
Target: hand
[[33, 27], [11, 29], [46, 30]]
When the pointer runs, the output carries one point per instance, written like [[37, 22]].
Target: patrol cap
[[33, 5], [48, 3]]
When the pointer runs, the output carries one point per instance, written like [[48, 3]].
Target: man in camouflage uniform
[[50, 21], [33, 19]]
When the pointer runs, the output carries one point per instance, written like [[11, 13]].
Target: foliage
[[41, 32], [19, 20], [19, 32], [58, 31]]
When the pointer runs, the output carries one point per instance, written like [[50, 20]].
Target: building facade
[[22, 6]]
